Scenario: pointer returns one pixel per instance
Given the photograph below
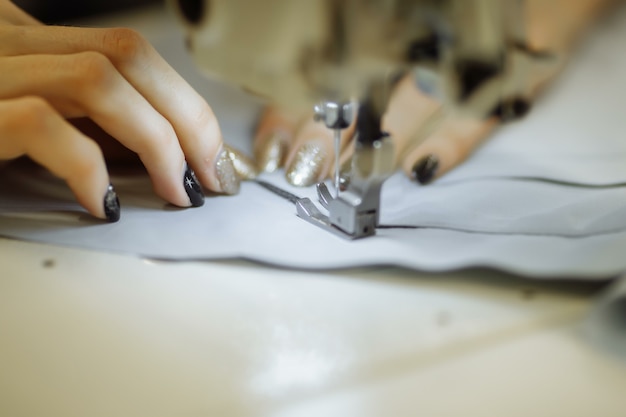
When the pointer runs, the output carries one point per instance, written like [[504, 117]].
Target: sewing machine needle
[[337, 164]]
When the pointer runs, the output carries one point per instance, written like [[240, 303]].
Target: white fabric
[[478, 215]]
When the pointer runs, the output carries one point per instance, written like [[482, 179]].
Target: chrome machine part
[[336, 117], [355, 212], [470, 54]]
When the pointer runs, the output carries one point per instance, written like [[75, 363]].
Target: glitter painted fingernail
[[111, 205], [425, 169], [226, 173], [244, 166], [307, 165], [192, 187], [271, 153]]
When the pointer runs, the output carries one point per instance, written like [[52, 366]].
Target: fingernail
[[307, 165], [271, 152], [111, 205], [192, 187], [226, 174], [425, 169], [512, 109], [244, 166]]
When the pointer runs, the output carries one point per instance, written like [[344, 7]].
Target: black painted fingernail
[[511, 110], [425, 169], [111, 205], [193, 189]]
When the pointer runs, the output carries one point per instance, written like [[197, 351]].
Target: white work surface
[[84, 333], [91, 334]]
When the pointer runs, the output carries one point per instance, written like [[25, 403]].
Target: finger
[[547, 32], [312, 153], [136, 59], [86, 84], [427, 142], [12, 14], [30, 126], [407, 113], [449, 145], [275, 131]]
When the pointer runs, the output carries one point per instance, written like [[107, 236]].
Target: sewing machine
[[341, 58], [86, 332]]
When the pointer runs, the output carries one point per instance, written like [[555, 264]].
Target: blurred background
[[61, 11]]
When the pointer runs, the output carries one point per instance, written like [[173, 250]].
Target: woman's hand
[[115, 78], [424, 149], [428, 142]]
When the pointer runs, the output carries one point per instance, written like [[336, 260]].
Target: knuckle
[[205, 118], [207, 127], [26, 115], [7, 38], [165, 142], [123, 44], [92, 70], [87, 166], [462, 146]]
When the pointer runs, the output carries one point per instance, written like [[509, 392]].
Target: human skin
[[53, 76], [424, 151], [73, 98]]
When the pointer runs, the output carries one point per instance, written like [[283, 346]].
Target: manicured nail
[[511, 109], [306, 167], [425, 169], [271, 153], [192, 187], [226, 174], [111, 205], [244, 166]]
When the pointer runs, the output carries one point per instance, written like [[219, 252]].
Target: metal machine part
[[354, 213], [336, 116], [470, 54]]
